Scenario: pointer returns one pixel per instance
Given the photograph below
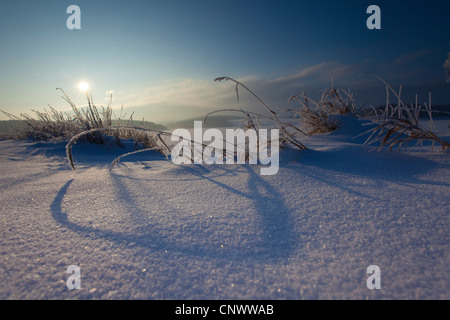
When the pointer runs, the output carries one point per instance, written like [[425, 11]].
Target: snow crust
[[150, 229]]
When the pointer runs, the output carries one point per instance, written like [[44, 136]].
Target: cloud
[[174, 92], [177, 99], [410, 57], [180, 99], [311, 72], [321, 73], [447, 68]]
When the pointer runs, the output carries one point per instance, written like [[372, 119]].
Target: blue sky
[[160, 57]]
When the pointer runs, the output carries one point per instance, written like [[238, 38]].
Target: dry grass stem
[[286, 138]]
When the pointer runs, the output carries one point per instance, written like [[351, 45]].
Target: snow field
[[154, 230]]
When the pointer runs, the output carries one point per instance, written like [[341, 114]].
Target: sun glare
[[83, 86]]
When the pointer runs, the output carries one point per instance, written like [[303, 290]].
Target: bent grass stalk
[[286, 137], [159, 133], [164, 149], [74, 139]]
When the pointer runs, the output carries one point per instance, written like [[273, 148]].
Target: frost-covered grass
[[150, 229], [318, 117], [62, 126], [397, 126], [394, 126], [52, 124]]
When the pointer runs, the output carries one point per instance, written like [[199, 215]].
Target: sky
[[159, 58]]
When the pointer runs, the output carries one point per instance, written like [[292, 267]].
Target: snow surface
[[152, 230]]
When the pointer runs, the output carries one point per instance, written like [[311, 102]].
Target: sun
[[83, 86]]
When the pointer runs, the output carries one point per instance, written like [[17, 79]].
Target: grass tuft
[[398, 125], [317, 116]]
